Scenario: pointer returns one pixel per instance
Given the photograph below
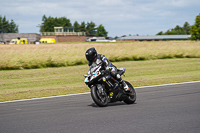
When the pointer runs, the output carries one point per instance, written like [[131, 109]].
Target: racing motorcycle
[[105, 89]]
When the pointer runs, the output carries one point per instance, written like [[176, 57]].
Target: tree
[[0, 25], [82, 27], [178, 30], [49, 23], [116, 37], [90, 29], [186, 28], [160, 33], [42, 26], [7, 27], [101, 31], [76, 26], [195, 29], [13, 28]]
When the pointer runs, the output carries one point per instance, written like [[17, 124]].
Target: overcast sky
[[119, 17]]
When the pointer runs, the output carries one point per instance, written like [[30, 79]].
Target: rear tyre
[[100, 98], [130, 97]]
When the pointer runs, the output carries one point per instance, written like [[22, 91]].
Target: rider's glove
[[107, 71]]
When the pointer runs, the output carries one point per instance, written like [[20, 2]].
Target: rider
[[95, 59]]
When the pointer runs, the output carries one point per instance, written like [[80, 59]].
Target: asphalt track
[[158, 109]]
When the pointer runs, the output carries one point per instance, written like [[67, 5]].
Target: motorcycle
[[105, 89]]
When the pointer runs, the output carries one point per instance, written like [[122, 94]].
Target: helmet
[[91, 54]]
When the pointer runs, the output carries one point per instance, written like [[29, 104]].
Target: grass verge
[[59, 55], [34, 83]]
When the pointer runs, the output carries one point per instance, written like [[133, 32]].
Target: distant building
[[65, 34], [5, 38], [65, 31], [100, 39], [154, 38]]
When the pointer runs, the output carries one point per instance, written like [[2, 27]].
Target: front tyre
[[130, 97], [100, 98]]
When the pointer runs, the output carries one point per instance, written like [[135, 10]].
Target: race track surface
[[159, 109]]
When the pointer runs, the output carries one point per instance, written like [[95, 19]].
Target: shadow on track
[[111, 104]]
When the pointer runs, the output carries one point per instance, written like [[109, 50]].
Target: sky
[[119, 17]]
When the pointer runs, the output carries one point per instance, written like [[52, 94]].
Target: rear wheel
[[130, 97], [99, 97]]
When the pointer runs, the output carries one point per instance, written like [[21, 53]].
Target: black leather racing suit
[[107, 66]]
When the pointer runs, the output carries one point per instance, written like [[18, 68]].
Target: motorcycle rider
[[94, 59]]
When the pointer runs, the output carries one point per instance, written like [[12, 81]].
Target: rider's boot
[[121, 81], [126, 88]]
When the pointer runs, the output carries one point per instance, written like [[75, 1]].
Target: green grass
[[33, 83], [60, 55]]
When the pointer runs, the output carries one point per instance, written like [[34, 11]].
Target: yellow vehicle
[[19, 41], [47, 40]]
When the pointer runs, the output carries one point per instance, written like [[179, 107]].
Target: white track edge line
[[89, 92], [44, 98], [168, 84]]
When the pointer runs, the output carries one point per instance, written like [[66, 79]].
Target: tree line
[[193, 30], [48, 24], [178, 30], [7, 27]]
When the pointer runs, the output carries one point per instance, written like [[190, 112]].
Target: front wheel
[[130, 97], [99, 97]]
